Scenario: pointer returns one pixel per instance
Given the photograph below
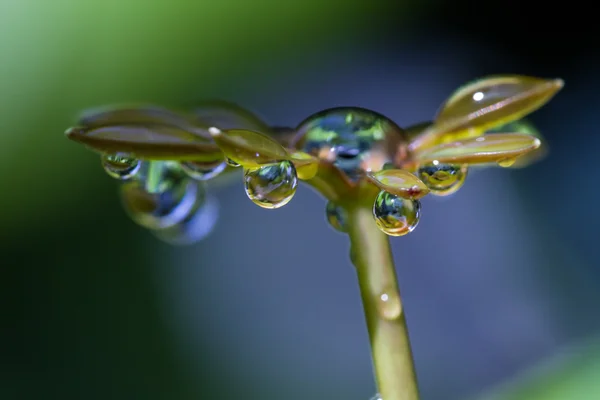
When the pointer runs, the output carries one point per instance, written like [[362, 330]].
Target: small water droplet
[[394, 215], [336, 216], [231, 163], [120, 166], [203, 171], [443, 179], [389, 305], [507, 162], [376, 397], [272, 185]]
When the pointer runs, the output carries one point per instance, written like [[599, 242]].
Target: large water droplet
[[389, 305], [354, 139], [394, 215], [120, 166], [336, 216], [443, 179], [272, 185], [203, 171]]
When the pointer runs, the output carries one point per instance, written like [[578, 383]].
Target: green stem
[[390, 346]]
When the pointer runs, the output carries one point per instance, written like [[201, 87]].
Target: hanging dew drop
[[272, 185], [394, 215], [120, 166], [507, 162], [202, 171], [389, 306], [376, 397], [443, 179], [336, 216]]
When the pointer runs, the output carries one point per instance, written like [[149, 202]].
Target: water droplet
[[203, 171], [120, 166], [394, 215], [354, 139], [272, 185], [376, 397], [177, 198], [197, 225], [336, 216], [231, 163], [389, 305], [507, 162], [443, 179]]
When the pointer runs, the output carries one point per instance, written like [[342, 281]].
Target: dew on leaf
[[120, 166], [394, 215], [271, 186], [336, 216], [443, 179]]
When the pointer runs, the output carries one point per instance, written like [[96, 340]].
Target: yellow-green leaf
[[399, 182], [306, 165], [485, 104], [248, 148], [495, 147]]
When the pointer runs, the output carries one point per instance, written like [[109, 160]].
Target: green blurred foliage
[[63, 56], [573, 375]]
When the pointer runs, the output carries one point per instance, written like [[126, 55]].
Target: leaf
[[306, 165], [485, 104], [248, 148], [226, 116], [155, 142], [399, 182], [496, 147], [140, 115]]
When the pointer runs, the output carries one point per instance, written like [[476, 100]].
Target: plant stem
[[390, 346]]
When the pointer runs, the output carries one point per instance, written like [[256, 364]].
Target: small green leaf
[[399, 182]]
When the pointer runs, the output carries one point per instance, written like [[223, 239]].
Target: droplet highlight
[[389, 305], [120, 166], [337, 217], [394, 215], [443, 179], [271, 186]]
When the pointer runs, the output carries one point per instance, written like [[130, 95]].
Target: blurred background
[[501, 281]]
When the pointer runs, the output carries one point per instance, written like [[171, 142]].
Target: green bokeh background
[[80, 315]]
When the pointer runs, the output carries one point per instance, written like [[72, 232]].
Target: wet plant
[[371, 171]]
